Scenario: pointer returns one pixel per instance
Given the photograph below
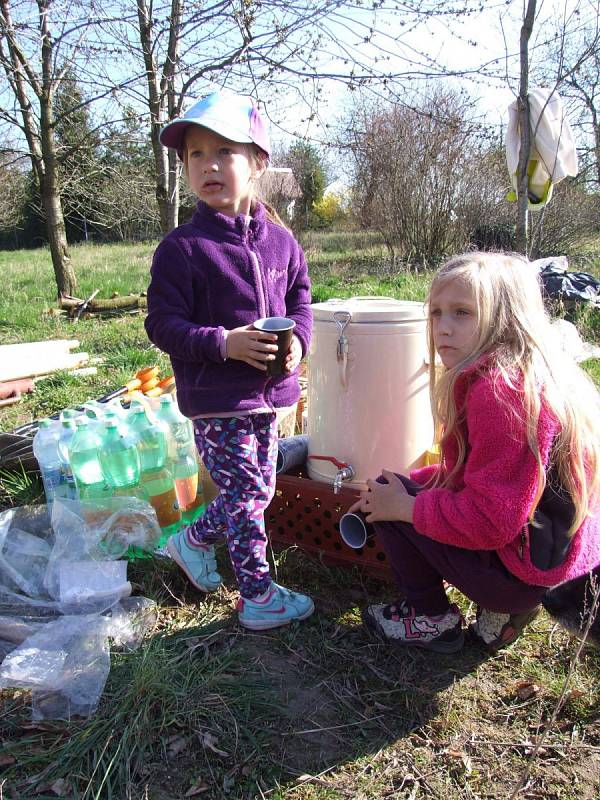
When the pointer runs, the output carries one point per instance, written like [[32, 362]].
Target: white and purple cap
[[233, 116]]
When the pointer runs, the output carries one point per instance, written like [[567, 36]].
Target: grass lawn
[[317, 711]]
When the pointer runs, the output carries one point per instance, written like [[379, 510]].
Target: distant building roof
[[279, 182]]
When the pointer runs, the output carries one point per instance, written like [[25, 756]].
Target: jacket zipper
[[262, 298]]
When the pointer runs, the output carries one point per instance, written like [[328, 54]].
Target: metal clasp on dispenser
[[342, 318], [345, 472]]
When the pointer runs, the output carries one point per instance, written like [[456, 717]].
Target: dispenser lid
[[370, 309]]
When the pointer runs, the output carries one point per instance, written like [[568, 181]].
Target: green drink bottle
[[156, 478], [85, 463]]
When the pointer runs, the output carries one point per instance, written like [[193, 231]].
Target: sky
[[490, 36]]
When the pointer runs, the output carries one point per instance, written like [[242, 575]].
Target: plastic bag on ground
[[65, 662], [64, 594]]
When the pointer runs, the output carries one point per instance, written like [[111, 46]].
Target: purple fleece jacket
[[214, 274], [489, 506]]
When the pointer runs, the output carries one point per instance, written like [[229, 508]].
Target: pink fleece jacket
[[488, 508]]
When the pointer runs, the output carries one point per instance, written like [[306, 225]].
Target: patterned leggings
[[240, 454]]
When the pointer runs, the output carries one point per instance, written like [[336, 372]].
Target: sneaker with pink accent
[[495, 630], [277, 607], [197, 561], [400, 623]]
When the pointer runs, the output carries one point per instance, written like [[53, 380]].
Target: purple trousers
[[240, 453], [420, 565]]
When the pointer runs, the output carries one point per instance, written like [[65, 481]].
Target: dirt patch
[[306, 738]]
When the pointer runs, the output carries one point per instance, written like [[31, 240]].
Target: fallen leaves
[[197, 788], [176, 745], [525, 690], [60, 787], [210, 741], [462, 756]]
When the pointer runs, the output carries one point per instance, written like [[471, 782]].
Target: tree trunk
[[173, 201], [66, 282], [597, 146], [521, 237], [161, 171], [161, 101]]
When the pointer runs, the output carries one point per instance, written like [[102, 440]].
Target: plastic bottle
[[180, 429], [151, 439], [67, 488], [68, 413], [160, 490], [119, 459], [95, 414], [45, 449], [184, 458], [84, 459], [114, 406], [188, 484], [156, 478]]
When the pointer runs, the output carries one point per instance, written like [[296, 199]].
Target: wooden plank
[[24, 348], [10, 401], [83, 372], [40, 365]]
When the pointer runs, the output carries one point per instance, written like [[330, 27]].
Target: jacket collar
[[231, 228]]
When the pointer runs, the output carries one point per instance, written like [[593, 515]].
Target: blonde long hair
[[515, 331]]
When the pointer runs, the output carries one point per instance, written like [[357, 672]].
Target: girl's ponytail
[[261, 161], [272, 214]]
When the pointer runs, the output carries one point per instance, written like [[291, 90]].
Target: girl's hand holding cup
[[387, 501], [254, 347], [294, 355]]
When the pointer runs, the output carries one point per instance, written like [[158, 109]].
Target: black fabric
[[563, 285], [548, 541]]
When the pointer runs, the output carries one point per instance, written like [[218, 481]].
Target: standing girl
[[509, 511], [212, 278]]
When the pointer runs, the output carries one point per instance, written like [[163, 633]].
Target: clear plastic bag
[[26, 541], [64, 593], [66, 662]]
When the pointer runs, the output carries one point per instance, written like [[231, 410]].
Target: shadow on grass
[[205, 705]]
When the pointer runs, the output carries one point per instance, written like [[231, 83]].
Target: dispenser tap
[[344, 474]]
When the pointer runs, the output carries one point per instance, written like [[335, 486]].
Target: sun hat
[[233, 116]]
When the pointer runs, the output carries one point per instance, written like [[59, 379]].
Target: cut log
[[110, 304]]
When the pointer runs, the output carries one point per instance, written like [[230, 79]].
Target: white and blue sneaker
[[277, 607], [197, 561]]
